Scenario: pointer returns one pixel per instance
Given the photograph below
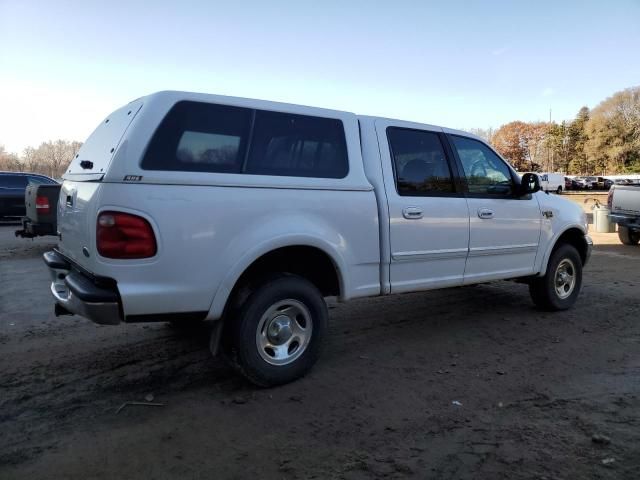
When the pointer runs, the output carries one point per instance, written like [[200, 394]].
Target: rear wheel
[[628, 236], [559, 191], [275, 336], [560, 287]]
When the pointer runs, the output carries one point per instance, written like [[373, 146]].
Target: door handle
[[485, 213], [412, 213]]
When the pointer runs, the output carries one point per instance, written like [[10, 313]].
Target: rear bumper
[[632, 221], [79, 294], [30, 229]]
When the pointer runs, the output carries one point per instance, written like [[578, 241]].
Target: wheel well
[[574, 237], [308, 262]]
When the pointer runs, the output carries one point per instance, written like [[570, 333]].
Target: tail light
[[42, 205], [122, 235], [610, 199]]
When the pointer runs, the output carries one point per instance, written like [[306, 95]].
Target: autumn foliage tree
[[613, 133], [521, 143], [605, 140]]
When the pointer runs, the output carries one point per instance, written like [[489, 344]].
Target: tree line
[[601, 141], [50, 158]]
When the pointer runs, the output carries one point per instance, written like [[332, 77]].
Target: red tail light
[[42, 205], [610, 199], [122, 235]]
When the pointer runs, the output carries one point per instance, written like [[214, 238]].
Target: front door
[[429, 219], [504, 228]]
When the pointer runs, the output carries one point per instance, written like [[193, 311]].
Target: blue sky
[[65, 65]]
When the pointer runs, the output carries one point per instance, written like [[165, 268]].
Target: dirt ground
[[459, 383]]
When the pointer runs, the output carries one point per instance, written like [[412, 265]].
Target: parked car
[[624, 202], [41, 201], [247, 213], [12, 191], [580, 183], [623, 181], [568, 183], [591, 183]]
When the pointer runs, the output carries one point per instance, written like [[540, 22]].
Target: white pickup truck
[[186, 207], [624, 202]]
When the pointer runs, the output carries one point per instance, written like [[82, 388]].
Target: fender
[[544, 259], [288, 240]]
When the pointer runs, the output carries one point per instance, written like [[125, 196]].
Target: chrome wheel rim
[[284, 332], [565, 278]]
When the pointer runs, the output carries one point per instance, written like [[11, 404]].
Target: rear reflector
[[42, 205], [126, 236]]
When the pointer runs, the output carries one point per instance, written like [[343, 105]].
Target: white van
[[189, 207], [551, 182]]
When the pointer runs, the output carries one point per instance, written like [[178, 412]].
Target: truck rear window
[[206, 137]]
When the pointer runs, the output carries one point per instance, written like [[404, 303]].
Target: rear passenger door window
[[200, 137], [484, 171], [298, 146], [420, 164]]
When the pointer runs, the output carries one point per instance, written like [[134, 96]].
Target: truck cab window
[[485, 172], [420, 164]]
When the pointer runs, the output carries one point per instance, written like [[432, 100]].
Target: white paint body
[[211, 226]]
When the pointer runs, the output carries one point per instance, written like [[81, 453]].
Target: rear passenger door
[[504, 227], [429, 219]]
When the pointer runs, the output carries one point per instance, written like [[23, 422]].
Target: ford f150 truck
[[624, 202], [184, 206]]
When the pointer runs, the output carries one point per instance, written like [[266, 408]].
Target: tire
[[275, 335], [565, 265], [627, 236], [559, 191]]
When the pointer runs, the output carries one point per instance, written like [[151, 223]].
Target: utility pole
[[549, 154]]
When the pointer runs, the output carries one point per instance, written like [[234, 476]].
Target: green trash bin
[[602, 221]]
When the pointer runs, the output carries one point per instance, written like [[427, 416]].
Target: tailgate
[[626, 200], [77, 209], [51, 193]]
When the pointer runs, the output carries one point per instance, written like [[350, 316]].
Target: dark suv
[[12, 189]]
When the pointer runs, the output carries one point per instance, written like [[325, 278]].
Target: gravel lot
[[459, 383]]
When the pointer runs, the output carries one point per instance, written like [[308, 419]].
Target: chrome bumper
[[77, 294]]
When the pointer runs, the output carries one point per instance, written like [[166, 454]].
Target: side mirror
[[530, 184]]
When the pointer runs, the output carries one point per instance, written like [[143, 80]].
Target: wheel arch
[[310, 257], [572, 235]]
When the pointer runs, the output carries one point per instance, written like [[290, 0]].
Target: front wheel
[[560, 287], [628, 236], [276, 335]]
